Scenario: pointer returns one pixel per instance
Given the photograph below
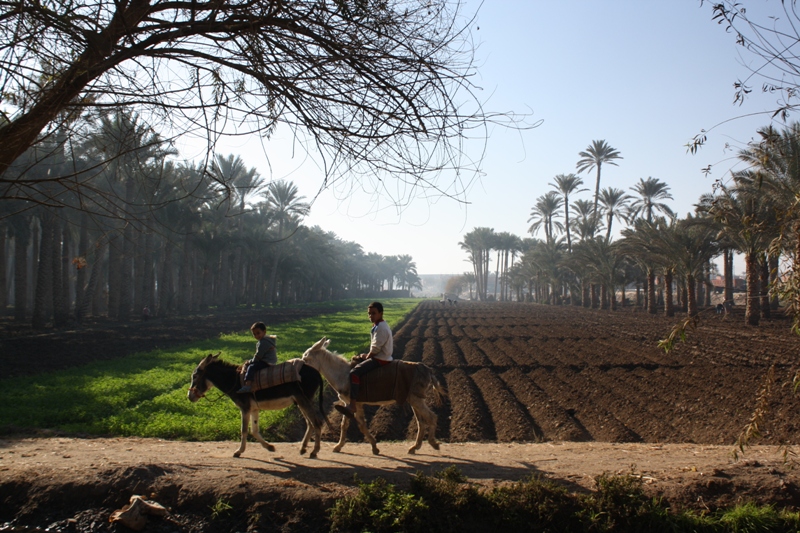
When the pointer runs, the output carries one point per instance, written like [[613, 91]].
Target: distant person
[[381, 347], [146, 313], [266, 354], [720, 309]]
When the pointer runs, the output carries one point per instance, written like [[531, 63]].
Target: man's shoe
[[345, 410], [245, 389]]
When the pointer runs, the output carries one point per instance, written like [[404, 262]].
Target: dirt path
[[44, 478]]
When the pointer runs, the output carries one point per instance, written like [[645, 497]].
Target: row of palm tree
[[145, 231], [579, 260]]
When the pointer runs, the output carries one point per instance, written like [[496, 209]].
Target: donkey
[[214, 372], [336, 370]]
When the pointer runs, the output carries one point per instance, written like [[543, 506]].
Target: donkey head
[[200, 385]]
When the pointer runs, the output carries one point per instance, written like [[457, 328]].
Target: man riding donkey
[[380, 354]]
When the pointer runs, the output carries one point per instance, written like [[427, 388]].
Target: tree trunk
[[44, 274], [752, 312], [115, 263], [126, 275], [140, 258], [691, 295], [651, 292], [21, 240], [669, 304], [764, 286], [728, 268], [60, 274], [80, 276], [773, 272], [185, 279], [165, 281], [3, 274]]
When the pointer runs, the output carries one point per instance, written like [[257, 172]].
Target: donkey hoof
[[237, 454], [376, 451], [337, 449], [435, 445], [270, 447], [302, 451], [312, 455], [412, 450]]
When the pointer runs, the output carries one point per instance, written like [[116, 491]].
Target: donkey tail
[[321, 407], [439, 390]]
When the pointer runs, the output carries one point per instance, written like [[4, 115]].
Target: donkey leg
[[426, 420], [342, 434], [245, 426], [257, 434], [362, 425], [312, 421]]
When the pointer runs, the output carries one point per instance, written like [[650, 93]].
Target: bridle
[[203, 394]]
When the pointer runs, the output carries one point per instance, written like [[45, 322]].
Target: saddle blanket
[[275, 375], [388, 382]]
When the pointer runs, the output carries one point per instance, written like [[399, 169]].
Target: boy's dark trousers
[[252, 368]]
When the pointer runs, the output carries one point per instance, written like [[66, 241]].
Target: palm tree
[[543, 215], [598, 153], [478, 244], [284, 198], [587, 223], [651, 193], [614, 205], [743, 213], [567, 184]]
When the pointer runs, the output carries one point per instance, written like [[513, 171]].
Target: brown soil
[[564, 392]]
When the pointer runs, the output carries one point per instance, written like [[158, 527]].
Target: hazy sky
[[645, 76]]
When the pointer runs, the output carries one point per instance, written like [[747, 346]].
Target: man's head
[[259, 329], [375, 312]]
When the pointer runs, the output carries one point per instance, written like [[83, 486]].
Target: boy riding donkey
[[266, 354], [380, 353]]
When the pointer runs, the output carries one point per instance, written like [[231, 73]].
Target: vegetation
[[446, 501], [145, 394], [668, 259], [237, 239]]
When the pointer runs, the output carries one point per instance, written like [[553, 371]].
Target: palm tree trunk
[[165, 282], [139, 262], [82, 308], [728, 274], [691, 295], [80, 276], [21, 240], [44, 276], [115, 262], [60, 271], [651, 292], [3, 274], [185, 279], [764, 283], [773, 270], [669, 304], [752, 311]]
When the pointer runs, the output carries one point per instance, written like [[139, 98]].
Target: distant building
[[739, 284]]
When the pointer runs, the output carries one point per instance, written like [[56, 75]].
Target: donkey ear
[[326, 343]]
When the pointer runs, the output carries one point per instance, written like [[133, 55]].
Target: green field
[[145, 394]]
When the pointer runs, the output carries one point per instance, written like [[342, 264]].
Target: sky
[[645, 76]]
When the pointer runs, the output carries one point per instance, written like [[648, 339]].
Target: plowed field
[[523, 372]]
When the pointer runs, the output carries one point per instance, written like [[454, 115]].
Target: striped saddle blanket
[[275, 375]]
